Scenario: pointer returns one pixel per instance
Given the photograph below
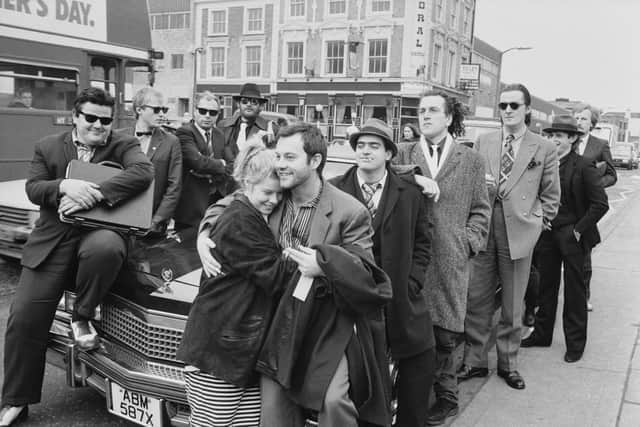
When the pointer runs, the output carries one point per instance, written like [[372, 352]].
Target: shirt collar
[[203, 132], [77, 143], [313, 203], [437, 144], [516, 136], [361, 181]]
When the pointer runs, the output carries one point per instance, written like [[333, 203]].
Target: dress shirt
[[515, 144], [378, 194], [144, 140], [84, 152]]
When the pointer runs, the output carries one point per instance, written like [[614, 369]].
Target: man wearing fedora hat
[[573, 233], [246, 127], [401, 246]]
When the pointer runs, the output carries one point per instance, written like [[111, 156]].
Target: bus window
[[136, 76], [104, 74], [35, 86]]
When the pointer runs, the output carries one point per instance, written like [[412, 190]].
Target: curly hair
[[415, 131], [452, 107]]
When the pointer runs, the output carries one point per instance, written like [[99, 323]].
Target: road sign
[[469, 76]]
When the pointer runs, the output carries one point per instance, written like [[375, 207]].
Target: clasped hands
[[78, 195]]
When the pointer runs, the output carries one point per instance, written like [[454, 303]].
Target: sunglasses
[[156, 110], [90, 118], [204, 111], [251, 101], [514, 105]]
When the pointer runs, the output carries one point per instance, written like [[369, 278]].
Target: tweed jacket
[[460, 221], [598, 150], [531, 192]]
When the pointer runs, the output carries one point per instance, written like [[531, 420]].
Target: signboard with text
[[469, 76]]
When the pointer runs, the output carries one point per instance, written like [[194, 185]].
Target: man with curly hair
[[460, 221]]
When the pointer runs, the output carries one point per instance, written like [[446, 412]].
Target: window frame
[[325, 57], [173, 57], [436, 65], [209, 60], [367, 57], [451, 68], [226, 22], [338, 15], [454, 16], [285, 70], [290, 4], [246, 20], [245, 52], [380, 12]]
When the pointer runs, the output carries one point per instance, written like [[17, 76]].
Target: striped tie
[[507, 162], [368, 191]]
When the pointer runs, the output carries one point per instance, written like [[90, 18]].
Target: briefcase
[[132, 216]]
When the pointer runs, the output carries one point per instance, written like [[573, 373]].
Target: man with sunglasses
[[163, 149], [205, 163], [58, 254], [246, 127], [524, 189]]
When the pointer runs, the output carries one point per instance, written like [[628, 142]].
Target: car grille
[[140, 364], [153, 341], [14, 216]]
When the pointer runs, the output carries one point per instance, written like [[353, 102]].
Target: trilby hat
[[378, 128], [564, 123], [250, 90]]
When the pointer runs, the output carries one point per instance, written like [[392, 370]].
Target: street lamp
[[195, 52], [495, 104]]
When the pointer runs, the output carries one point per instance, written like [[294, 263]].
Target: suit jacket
[[589, 198], [203, 172], [166, 156], [460, 221], [230, 128], [48, 168], [598, 150], [531, 192], [402, 245]]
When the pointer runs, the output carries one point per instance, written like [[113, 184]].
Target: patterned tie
[[368, 191], [85, 152], [242, 136], [507, 162], [207, 135]]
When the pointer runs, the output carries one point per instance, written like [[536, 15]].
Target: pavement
[[603, 388]]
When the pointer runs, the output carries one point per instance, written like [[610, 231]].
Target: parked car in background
[[624, 154], [473, 128]]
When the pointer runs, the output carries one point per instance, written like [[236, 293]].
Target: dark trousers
[[446, 382], [531, 295], [415, 378], [92, 260], [587, 273], [556, 249]]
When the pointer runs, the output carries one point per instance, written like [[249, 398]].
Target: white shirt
[[378, 194], [433, 162], [144, 140], [582, 144], [515, 144], [203, 132]]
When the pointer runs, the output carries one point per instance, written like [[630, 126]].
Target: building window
[[160, 22], [465, 22], [174, 21], [452, 68], [254, 20], [296, 7], [454, 14], [378, 56], [217, 61], [254, 55], [438, 10], [435, 64], [337, 7], [219, 22], [380, 6], [177, 61], [295, 51], [335, 57]]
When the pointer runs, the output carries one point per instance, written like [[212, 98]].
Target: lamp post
[[495, 104], [195, 52]]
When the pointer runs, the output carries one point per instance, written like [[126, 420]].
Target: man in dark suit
[[563, 247], [401, 246], [57, 253], [205, 164], [593, 149], [163, 149]]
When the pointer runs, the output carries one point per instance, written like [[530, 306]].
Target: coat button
[[524, 197]]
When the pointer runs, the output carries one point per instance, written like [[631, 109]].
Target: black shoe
[[571, 358], [534, 340], [13, 415], [512, 378], [442, 410], [467, 372]]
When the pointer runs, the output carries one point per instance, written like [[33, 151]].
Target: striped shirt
[[296, 225]]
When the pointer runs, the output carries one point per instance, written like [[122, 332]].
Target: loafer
[[467, 372], [572, 358], [13, 415], [439, 413], [512, 378], [84, 334], [534, 340]]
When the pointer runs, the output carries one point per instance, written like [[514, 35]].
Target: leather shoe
[[512, 378], [13, 415], [467, 372], [84, 334], [534, 340], [571, 358], [439, 413]]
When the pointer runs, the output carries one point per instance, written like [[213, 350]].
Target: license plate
[[136, 407]]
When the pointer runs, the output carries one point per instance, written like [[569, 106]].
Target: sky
[[587, 50]]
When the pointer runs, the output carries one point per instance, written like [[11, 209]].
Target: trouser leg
[[101, 254], [277, 410], [338, 408], [446, 383], [415, 379], [550, 261], [587, 273], [533, 289]]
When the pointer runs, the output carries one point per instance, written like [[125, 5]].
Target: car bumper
[[115, 363]]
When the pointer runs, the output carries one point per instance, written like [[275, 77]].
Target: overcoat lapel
[[390, 197], [452, 159], [320, 222], [157, 138], [418, 158], [70, 151], [528, 148], [202, 144]]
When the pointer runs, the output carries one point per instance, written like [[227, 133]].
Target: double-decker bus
[[50, 50]]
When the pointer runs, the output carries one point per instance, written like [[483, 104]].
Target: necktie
[[207, 135], [85, 152], [438, 150], [506, 163], [368, 191], [139, 134], [241, 142]]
